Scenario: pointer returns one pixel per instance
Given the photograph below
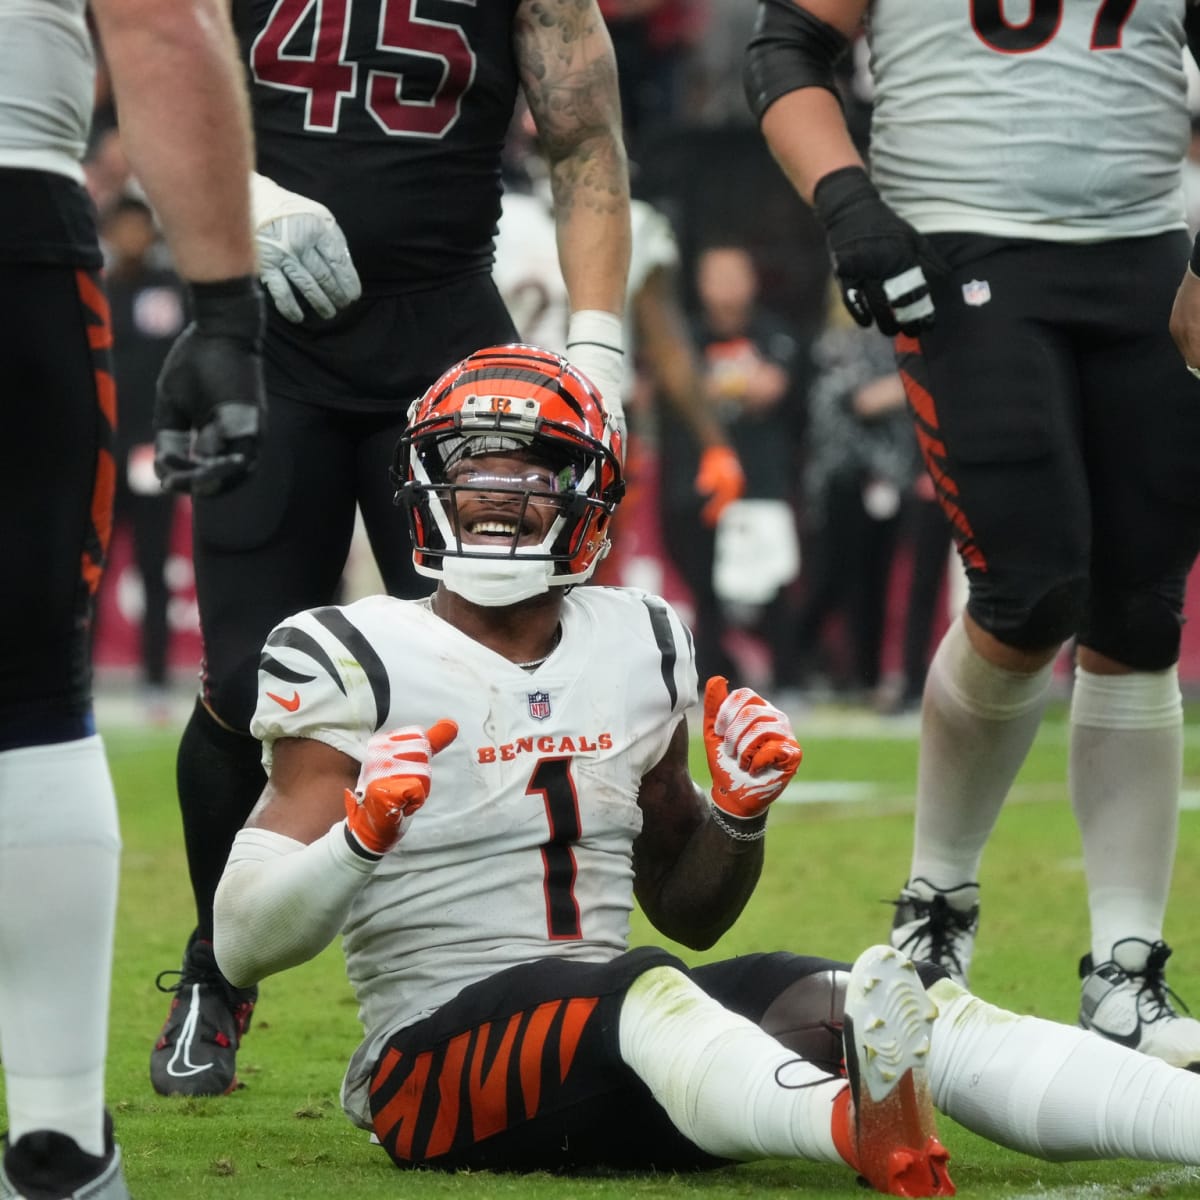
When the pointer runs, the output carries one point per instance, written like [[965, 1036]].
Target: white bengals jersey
[[1058, 119], [529, 278], [47, 72], [524, 848]]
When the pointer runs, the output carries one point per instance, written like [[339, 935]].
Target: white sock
[[728, 1086], [1125, 772], [977, 724], [59, 857], [1054, 1090]]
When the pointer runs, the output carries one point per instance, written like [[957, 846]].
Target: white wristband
[[596, 345], [595, 326], [269, 202], [267, 199]]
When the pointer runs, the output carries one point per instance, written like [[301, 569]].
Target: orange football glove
[[721, 479], [752, 752], [393, 783]]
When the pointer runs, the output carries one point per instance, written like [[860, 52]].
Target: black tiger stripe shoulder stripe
[[269, 664], [660, 625], [296, 639], [338, 624]]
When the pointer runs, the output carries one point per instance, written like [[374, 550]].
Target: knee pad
[[1049, 621], [806, 1017], [1141, 630]]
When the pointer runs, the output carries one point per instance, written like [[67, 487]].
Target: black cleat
[[48, 1165], [196, 1052]]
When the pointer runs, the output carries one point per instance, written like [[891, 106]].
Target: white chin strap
[[495, 582]]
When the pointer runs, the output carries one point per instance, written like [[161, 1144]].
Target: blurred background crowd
[[830, 581]]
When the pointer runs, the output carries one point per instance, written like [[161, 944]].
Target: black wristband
[[357, 846], [1194, 261], [838, 187], [228, 307]]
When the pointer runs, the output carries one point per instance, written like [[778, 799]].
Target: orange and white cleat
[[884, 1124]]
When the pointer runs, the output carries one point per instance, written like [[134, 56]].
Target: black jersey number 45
[[302, 49], [1045, 16]]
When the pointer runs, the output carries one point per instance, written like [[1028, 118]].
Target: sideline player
[[1030, 281], [59, 837], [484, 895], [378, 172]]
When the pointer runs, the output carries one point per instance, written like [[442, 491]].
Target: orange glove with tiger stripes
[[393, 783], [752, 752]]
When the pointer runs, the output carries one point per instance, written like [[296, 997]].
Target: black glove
[[877, 257], [211, 405]]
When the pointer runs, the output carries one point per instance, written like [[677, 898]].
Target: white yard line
[[1158, 1184], [831, 791], [857, 791]]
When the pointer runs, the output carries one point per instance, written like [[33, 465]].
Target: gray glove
[[301, 249]]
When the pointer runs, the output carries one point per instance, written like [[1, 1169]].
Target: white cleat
[[1127, 1001], [887, 1032], [937, 925]]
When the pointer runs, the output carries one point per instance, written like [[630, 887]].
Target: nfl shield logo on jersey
[[977, 293], [539, 705]]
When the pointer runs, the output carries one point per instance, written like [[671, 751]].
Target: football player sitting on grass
[[474, 788]]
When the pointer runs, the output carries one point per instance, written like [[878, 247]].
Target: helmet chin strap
[[496, 582]]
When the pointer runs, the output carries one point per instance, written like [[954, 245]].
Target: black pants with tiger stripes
[[57, 478], [523, 1071]]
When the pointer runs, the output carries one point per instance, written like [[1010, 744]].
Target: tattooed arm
[[569, 77]]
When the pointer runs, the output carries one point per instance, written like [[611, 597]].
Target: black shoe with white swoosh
[[196, 1052], [1127, 1001]]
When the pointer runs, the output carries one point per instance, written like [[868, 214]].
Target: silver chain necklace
[[537, 662]]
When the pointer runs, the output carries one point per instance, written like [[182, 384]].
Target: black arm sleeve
[[789, 49]]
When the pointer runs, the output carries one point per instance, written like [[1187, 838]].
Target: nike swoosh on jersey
[[291, 705]]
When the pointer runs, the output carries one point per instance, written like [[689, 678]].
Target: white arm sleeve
[[280, 902]]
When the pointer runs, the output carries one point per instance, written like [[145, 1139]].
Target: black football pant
[[1062, 433], [56, 496], [523, 1070]]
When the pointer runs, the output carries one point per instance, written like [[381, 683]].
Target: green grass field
[[831, 867]]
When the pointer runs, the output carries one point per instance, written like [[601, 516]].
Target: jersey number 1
[[320, 68], [1045, 16], [551, 779]]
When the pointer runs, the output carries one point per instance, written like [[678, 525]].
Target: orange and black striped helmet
[[521, 400]]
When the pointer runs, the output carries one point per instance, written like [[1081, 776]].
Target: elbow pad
[[790, 49]]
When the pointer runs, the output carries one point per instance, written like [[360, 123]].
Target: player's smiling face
[[504, 496]]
